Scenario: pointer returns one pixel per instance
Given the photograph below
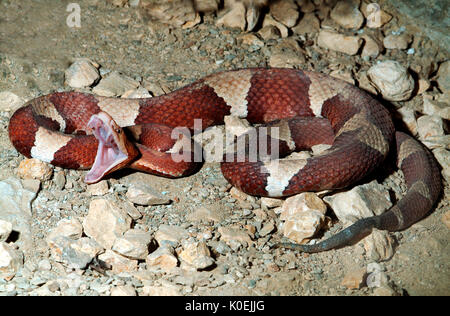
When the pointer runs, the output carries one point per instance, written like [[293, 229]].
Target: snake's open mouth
[[111, 151]]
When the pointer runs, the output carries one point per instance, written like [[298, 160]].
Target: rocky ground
[[137, 234]]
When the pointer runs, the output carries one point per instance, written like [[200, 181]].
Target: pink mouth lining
[[108, 153]]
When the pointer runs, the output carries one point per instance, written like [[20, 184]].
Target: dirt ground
[[37, 46]]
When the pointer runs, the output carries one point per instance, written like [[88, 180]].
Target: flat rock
[[34, 169], [269, 32], [397, 41], [443, 76], [285, 12], [206, 214], [442, 155], [139, 93], [365, 84], [82, 73], [133, 244], [143, 194], [105, 222], [346, 14], [206, 5], [423, 85], [15, 208], [175, 12], [287, 54], [251, 39], [61, 251], [173, 234], [303, 214], [238, 194], [308, 24], [339, 42], [347, 76], [70, 228], [197, 255], [114, 84], [430, 127], [11, 260], [123, 290], [435, 107], [354, 279], [252, 16], [118, 263], [267, 229], [32, 185], [409, 118], [362, 201], [88, 246], [230, 235], [60, 179], [371, 48], [271, 202], [379, 245], [98, 189], [162, 258], [5, 230], [9, 101], [269, 20], [233, 16]]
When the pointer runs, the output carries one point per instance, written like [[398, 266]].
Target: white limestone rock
[[362, 201], [162, 258], [133, 244], [346, 14], [303, 214], [392, 80], [82, 73], [197, 254], [143, 194], [5, 230], [115, 84], [11, 260], [9, 101], [339, 42], [105, 222]]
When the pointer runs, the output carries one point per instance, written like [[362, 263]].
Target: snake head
[[114, 150]]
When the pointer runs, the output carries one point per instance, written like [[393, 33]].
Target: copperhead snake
[[81, 131]]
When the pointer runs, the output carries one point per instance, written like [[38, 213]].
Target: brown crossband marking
[[323, 88], [421, 188], [407, 148], [398, 215], [47, 109], [368, 134]]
